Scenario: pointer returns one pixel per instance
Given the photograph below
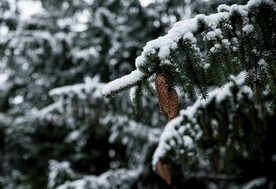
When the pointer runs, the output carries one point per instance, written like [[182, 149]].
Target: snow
[[226, 43], [17, 100], [168, 133], [212, 35], [240, 9], [248, 28], [163, 44], [4, 30], [106, 180], [29, 8], [3, 78], [188, 141], [218, 33], [174, 46], [133, 130], [120, 83], [45, 111], [182, 29], [79, 28], [164, 52], [255, 183], [262, 62], [190, 37], [223, 7], [90, 86], [234, 49], [73, 136], [176, 128], [55, 168], [132, 93], [245, 90], [252, 3], [81, 90], [84, 54], [145, 3]]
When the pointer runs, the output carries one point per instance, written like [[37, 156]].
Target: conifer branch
[[226, 35]]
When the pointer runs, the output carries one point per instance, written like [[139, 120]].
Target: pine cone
[[162, 93], [160, 170], [173, 103], [167, 172], [164, 171]]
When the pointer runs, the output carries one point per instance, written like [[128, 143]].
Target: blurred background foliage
[[55, 126]]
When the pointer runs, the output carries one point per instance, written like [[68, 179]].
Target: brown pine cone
[[162, 92], [164, 171], [160, 169], [173, 103]]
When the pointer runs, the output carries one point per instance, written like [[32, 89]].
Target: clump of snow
[[240, 9], [133, 130], [168, 133], [73, 136], [223, 8], [132, 93], [109, 179], [120, 83], [255, 183], [245, 90], [56, 168], [47, 110], [174, 46], [226, 43], [212, 35], [81, 90], [252, 3], [28, 8], [189, 37], [218, 33], [164, 52], [215, 48], [165, 62], [188, 141], [262, 62], [248, 28], [3, 78]]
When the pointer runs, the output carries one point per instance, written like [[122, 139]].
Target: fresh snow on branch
[[124, 127], [174, 135], [183, 30], [123, 83], [110, 179], [80, 89]]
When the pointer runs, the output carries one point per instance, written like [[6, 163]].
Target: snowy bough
[[236, 38], [227, 131]]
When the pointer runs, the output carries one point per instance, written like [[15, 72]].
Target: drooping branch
[[226, 51]]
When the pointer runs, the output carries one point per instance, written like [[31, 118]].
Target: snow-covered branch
[[185, 135], [120, 178], [126, 129], [221, 57]]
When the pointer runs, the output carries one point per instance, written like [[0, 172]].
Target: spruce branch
[[235, 40]]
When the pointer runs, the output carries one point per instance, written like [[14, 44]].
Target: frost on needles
[[237, 38]]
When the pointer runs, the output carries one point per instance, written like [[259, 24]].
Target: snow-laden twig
[[174, 135], [110, 179], [186, 31]]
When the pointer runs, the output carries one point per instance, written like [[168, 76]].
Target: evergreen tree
[[67, 136], [58, 131], [223, 140]]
